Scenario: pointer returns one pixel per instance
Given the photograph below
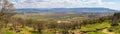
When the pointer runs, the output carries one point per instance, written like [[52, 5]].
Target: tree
[[6, 11], [116, 19]]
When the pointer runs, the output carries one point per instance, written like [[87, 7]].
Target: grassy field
[[90, 27], [97, 25]]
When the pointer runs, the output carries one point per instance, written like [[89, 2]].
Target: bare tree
[[6, 10]]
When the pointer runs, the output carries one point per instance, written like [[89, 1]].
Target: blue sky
[[113, 4]]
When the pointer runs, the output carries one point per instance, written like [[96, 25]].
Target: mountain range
[[66, 9]]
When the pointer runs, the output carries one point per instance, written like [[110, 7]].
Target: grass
[[115, 29], [98, 32], [97, 25], [26, 30], [8, 32], [92, 27]]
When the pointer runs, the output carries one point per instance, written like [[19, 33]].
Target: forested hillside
[[12, 22]]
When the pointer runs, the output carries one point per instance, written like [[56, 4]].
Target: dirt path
[[77, 31], [105, 31]]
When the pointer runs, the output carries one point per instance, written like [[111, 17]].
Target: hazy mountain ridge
[[67, 9]]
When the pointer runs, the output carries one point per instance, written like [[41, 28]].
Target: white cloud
[[112, 5], [63, 3], [58, 3]]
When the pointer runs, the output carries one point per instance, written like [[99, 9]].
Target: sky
[[112, 4]]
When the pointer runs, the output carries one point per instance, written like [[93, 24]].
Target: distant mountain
[[67, 9]]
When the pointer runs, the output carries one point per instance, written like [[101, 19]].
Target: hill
[[66, 9]]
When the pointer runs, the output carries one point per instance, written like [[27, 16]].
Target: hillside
[[66, 9]]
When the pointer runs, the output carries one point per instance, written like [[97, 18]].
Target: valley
[[66, 23]]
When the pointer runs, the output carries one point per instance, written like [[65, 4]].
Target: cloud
[[112, 5], [58, 3], [62, 3]]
